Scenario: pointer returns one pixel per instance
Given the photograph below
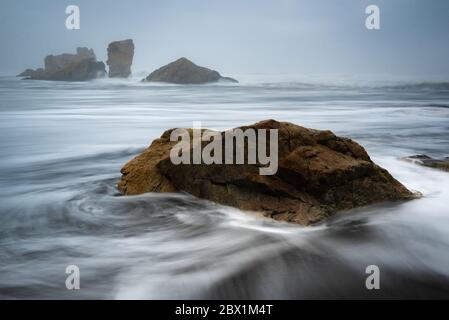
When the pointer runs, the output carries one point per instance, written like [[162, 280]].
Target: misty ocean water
[[63, 145]]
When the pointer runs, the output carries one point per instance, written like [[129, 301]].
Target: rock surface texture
[[120, 58], [82, 66], [184, 71], [421, 159], [318, 175]]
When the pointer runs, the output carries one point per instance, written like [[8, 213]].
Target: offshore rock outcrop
[[319, 174], [54, 64], [27, 73], [184, 71], [82, 66], [426, 161], [120, 58]]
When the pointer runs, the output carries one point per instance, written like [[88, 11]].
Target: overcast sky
[[236, 37]]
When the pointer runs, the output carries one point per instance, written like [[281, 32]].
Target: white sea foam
[[63, 145]]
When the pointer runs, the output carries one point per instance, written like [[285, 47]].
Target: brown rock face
[[318, 175], [120, 58], [184, 71]]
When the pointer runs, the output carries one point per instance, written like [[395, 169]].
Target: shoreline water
[[63, 145]]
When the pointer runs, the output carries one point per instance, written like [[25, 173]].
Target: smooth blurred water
[[63, 144]]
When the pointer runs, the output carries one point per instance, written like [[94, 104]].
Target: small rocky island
[[81, 66], [120, 58], [184, 71], [318, 175]]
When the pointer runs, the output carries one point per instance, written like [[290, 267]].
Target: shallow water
[[63, 145]]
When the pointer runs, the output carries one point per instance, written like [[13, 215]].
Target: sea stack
[[81, 66], [120, 58], [53, 64], [319, 174], [184, 71]]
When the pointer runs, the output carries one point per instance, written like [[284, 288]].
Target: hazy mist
[[275, 37]]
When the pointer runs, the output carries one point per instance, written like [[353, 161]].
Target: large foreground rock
[[120, 58], [184, 71], [426, 161], [82, 66], [319, 174]]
